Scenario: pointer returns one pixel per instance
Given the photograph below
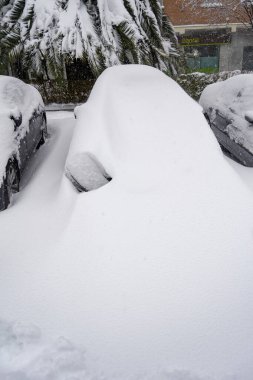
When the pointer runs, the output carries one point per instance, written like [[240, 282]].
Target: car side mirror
[[17, 120]]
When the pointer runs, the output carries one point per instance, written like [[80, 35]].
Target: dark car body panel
[[27, 140], [34, 133], [230, 147], [30, 140]]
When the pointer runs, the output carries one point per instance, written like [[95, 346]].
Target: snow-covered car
[[228, 107], [23, 128], [164, 246]]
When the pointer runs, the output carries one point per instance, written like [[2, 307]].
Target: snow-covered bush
[[64, 91], [102, 33], [195, 83]]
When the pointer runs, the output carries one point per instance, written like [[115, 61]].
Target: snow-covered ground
[[156, 296]]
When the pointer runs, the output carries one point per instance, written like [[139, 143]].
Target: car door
[[221, 122], [32, 134], [20, 137], [38, 128]]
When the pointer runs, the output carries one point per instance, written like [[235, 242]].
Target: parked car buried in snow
[[228, 107], [23, 128], [127, 144], [159, 248]]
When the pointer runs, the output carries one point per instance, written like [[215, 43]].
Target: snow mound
[[24, 355], [126, 126], [233, 99], [160, 257], [152, 273]]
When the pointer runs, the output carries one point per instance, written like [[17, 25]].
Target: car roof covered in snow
[[232, 95], [233, 99], [17, 96], [130, 121]]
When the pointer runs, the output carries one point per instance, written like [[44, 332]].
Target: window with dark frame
[[247, 63]]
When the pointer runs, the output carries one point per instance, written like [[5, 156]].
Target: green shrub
[[76, 91], [195, 83]]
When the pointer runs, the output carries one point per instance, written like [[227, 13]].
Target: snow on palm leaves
[[102, 32]]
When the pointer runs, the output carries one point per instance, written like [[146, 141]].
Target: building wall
[[231, 56], [182, 14], [187, 20]]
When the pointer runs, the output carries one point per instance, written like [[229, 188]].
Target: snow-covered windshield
[[233, 100], [17, 97], [233, 96]]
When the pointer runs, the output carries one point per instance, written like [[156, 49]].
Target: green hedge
[[78, 91], [195, 83], [64, 91]]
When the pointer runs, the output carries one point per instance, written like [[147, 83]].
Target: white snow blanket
[[233, 99], [16, 98], [151, 274]]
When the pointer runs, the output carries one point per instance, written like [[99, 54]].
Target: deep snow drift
[[152, 273]]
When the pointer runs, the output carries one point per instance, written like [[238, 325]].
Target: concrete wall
[[231, 56]]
